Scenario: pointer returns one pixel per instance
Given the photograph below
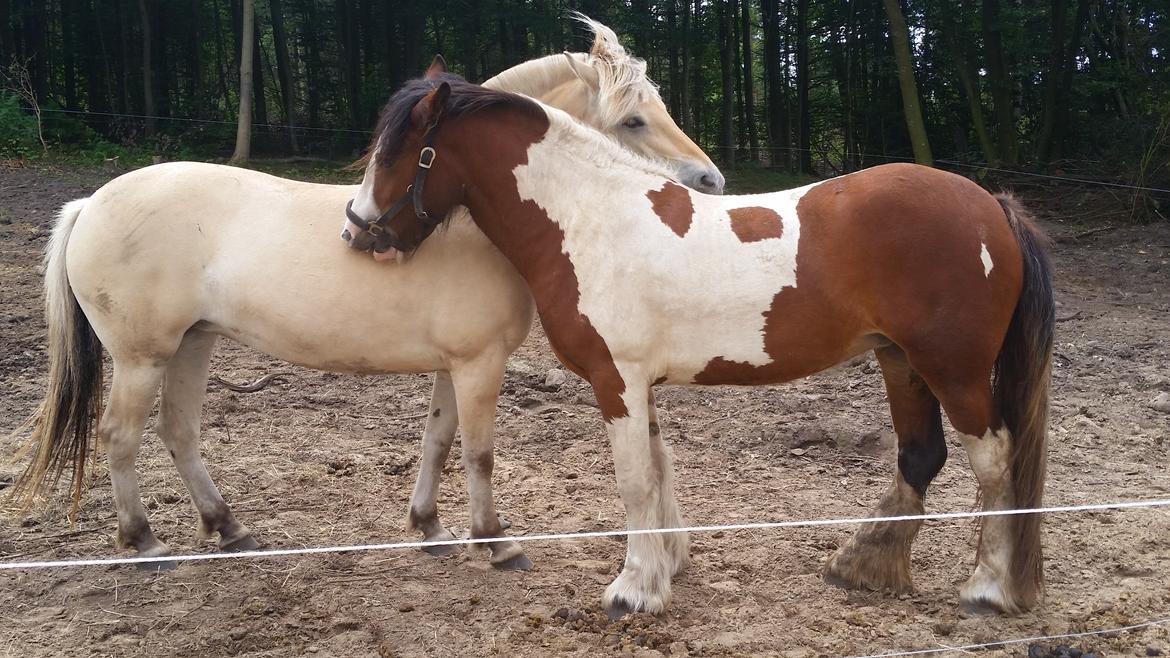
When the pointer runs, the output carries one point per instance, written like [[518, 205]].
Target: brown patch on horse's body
[[673, 206], [858, 286], [754, 223]]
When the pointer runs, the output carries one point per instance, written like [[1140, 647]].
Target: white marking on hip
[[985, 256]]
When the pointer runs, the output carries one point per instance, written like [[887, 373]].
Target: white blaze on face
[[691, 298], [364, 205], [985, 256]]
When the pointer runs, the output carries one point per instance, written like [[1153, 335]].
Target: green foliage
[[18, 129]]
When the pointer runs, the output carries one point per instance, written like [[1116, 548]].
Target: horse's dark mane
[[466, 98]]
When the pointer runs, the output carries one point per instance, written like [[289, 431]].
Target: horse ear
[[585, 72], [438, 65], [435, 103]]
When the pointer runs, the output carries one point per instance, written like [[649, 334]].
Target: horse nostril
[[346, 236], [711, 182]]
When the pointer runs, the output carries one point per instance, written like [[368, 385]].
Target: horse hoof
[[155, 567], [980, 608], [618, 608], [443, 550], [516, 563], [837, 581], [240, 544]]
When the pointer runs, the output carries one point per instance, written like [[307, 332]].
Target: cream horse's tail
[[63, 425]]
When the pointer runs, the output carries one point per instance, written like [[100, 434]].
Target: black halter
[[386, 237]]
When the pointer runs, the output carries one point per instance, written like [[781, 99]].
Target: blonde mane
[[623, 84], [621, 77]]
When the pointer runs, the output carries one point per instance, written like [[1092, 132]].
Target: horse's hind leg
[[442, 421], [184, 388], [132, 394], [962, 383], [477, 386], [878, 556]]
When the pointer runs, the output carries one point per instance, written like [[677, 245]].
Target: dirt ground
[[302, 465]]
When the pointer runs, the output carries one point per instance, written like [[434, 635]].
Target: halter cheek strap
[[386, 237]]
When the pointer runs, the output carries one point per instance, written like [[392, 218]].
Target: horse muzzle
[[705, 179]]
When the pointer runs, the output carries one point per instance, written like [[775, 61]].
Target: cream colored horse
[[159, 262]]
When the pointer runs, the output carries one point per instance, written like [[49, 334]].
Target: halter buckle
[[426, 157]]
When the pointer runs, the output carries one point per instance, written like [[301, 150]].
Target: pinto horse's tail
[[1022, 374], [63, 424]]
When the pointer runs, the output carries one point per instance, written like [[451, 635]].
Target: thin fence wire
[[966, 648], [276, 127], [284, 552]]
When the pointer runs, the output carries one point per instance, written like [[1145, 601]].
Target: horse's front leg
[[678, 544], [477, 386], [644, 583], [442, 421]]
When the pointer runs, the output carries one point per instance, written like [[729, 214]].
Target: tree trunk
[[69, 38], [196, 98], [957, 41], [311, 39], [726, 45], [259, 101], [98, 92], [900, 35], [147, 75], [733, 41], [773, 87], [351, 63], [697, 99], [804, 143], [284, 70], [247, 43], [163, 71], [1058, 12], [684, 94], [1001, 86], [122, 22], [672, 56], [1061, 66], [220, 71], [749, 82]]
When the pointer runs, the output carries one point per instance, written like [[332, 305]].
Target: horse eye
[[634, 122]]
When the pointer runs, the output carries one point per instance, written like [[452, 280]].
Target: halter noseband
[[386, 237]]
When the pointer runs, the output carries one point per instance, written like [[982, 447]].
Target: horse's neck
[[533, 184], [535, 77]]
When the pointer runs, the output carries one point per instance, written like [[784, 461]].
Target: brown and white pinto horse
[[161, 261], [639, 281]]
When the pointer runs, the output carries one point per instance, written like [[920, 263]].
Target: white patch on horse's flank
[[693, 298], [985, 256]]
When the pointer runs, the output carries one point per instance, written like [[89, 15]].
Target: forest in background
[[1069, 87]]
